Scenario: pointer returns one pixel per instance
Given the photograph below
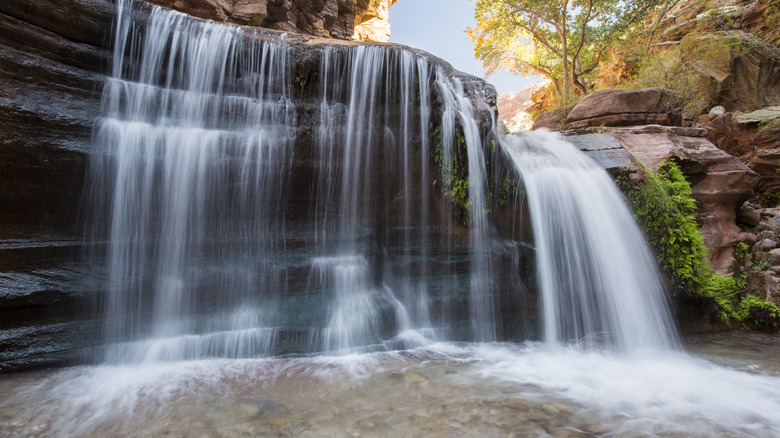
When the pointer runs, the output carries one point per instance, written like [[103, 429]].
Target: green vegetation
[[769, 126], [584, 45], [688, 90], [453, 171], [741, 252], [770, 199], [563, 40], [688, 70], [509, 188], [763, 314], [663, 206]]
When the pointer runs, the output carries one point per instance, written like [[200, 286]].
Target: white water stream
[[597, 277], [206, 277]]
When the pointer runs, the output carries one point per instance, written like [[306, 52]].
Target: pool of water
[[726, 384]]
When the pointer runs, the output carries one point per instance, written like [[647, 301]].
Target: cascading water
[[267, 196], [597, 278], [195, 151], [202, 151]]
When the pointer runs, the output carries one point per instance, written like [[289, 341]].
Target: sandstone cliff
[[512, 107], [361, 20]]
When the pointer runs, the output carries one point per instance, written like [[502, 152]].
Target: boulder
[[748, 239], [749, 217], [553, 120], [774, 257], [717, 110], [766, 245], [720, 182], [616, 107], [773, 224]]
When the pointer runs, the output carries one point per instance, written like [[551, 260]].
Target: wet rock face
[[54, 57], [324, 18], [50, 84]]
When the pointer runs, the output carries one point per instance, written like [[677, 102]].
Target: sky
[[437, 26]]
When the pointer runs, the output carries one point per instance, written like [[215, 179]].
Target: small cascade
[[597, 277], [458, 109], [195, 150]]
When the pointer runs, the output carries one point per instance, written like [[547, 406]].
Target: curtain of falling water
[[196, 148], [597, 277]]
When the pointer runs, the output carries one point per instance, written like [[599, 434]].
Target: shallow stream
[[727, 384]]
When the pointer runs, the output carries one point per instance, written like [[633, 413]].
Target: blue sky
[[437, 26]]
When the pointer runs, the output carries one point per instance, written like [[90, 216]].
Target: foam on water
[[525, 388]]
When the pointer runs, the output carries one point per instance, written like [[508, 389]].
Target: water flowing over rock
[[720, 183], [338, 176], [253, 193], [594, 290]]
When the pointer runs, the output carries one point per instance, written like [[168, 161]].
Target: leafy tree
[[563, 40]]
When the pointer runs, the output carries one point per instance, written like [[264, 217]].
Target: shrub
[[688, 90], [663, 207]]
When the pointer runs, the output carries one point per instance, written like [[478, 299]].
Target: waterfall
[[261, 195], [597, 277], [195, 151], [256, 203], [310, 208], [457, 108]]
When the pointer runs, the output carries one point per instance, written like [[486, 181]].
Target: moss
[[453, 173], [509, 188], [770, 199], [741, 252], [663, 206], [759, 312]]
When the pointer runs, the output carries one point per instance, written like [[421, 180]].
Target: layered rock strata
[[720, 182], [362, 20]]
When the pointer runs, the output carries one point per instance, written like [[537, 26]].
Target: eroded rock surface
[[720, 182], [753, 137], [362, 20], [512, 107]]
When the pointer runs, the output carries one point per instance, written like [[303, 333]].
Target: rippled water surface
[[728, 386]]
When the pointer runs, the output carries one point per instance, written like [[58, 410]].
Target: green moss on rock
[[663, 206]]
